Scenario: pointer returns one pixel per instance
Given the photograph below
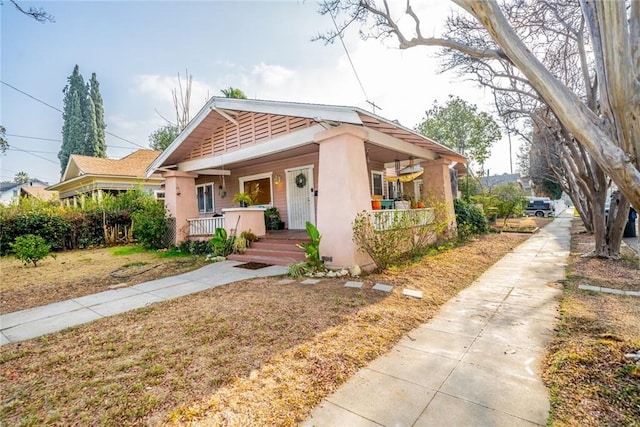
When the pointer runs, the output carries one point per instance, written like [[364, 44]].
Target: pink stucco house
[[317, 163]]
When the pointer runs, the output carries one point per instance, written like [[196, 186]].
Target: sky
[[265, 48]]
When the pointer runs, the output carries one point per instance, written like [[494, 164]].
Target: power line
[[32, 137], [55, 140], [353, 67], [47, 180], [59, 110], [125, 140], [32, 151], [30, 96], [36, 155]]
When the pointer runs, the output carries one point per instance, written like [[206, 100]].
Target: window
[[158, 194], [205, 198], [259, 186], [377, 186], [394, 190]]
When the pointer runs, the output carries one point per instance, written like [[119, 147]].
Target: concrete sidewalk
[[34, 322], [477, 362]]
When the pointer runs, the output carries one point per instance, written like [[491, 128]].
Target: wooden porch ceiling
[[211, 122]]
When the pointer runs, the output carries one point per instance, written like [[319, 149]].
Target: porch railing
[[205, 226], [390, 219]]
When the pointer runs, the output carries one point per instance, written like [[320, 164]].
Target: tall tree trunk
[[597, 136]]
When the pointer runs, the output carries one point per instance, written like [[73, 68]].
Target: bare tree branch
[[39, 15]]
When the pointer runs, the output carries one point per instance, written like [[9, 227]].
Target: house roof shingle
[[132, 165], [39, 192], [316, 112]]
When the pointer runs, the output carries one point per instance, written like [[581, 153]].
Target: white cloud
[[402, 83], [273, 76], [159, 89]]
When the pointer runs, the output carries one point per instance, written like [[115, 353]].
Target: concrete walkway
[[34, 322], [477, 363]]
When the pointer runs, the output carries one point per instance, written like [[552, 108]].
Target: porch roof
[[218, 111]]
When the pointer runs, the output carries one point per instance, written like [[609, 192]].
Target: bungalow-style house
[[318, 163], [93, 176]]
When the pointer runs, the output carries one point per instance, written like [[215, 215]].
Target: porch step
[[272, 251]]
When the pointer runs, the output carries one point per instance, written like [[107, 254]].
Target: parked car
[[540, 207]]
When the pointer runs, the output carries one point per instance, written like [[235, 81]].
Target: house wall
[[6, 197], [279, 195], [180, 200], [253, 128], [343, 175]]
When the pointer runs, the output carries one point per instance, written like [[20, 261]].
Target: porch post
[[437, 189], [343, 191], [180, 200]]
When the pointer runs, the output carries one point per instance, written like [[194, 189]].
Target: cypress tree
[[73, 130], [101, 145], [83, 127], [91, 146]]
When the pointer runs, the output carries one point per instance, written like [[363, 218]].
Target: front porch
[[318, 164]]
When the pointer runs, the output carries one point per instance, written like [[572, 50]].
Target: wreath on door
[[301, 180]]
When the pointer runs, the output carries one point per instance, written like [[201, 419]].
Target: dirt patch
[[592, 382], [521, 225], [257, 352], [76, 273]]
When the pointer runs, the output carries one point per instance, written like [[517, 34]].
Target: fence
[[389, 219], [205, 226]]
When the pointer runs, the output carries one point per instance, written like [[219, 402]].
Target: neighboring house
[[489, 182], [38, 193], [93, 176], [318, 163], [10, 191]]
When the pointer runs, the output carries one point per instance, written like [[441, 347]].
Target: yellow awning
[[406, 177]]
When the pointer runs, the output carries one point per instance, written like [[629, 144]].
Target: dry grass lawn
[[75, 273], [592, 382], [251, 353]]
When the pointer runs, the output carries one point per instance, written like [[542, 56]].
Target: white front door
[[300, 197]]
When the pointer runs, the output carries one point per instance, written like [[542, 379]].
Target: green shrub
[[221, 244], [249, 236], [299, 269], [471, 220], [402, 237], [150, 224], [195, 247], [384, 247], [312, 249], [30, 248], [512, 200], [95, 223]]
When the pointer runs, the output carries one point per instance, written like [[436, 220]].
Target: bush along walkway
[[478, 362]]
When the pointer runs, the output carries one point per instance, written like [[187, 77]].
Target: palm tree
[[233, 92], [21, 178]]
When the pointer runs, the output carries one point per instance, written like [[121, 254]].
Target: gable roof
[[320, 113], [39, 192], [6, 185], [133, 165]]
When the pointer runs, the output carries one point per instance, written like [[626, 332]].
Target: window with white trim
[[260, 187], [377, 183], [204, 194]]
